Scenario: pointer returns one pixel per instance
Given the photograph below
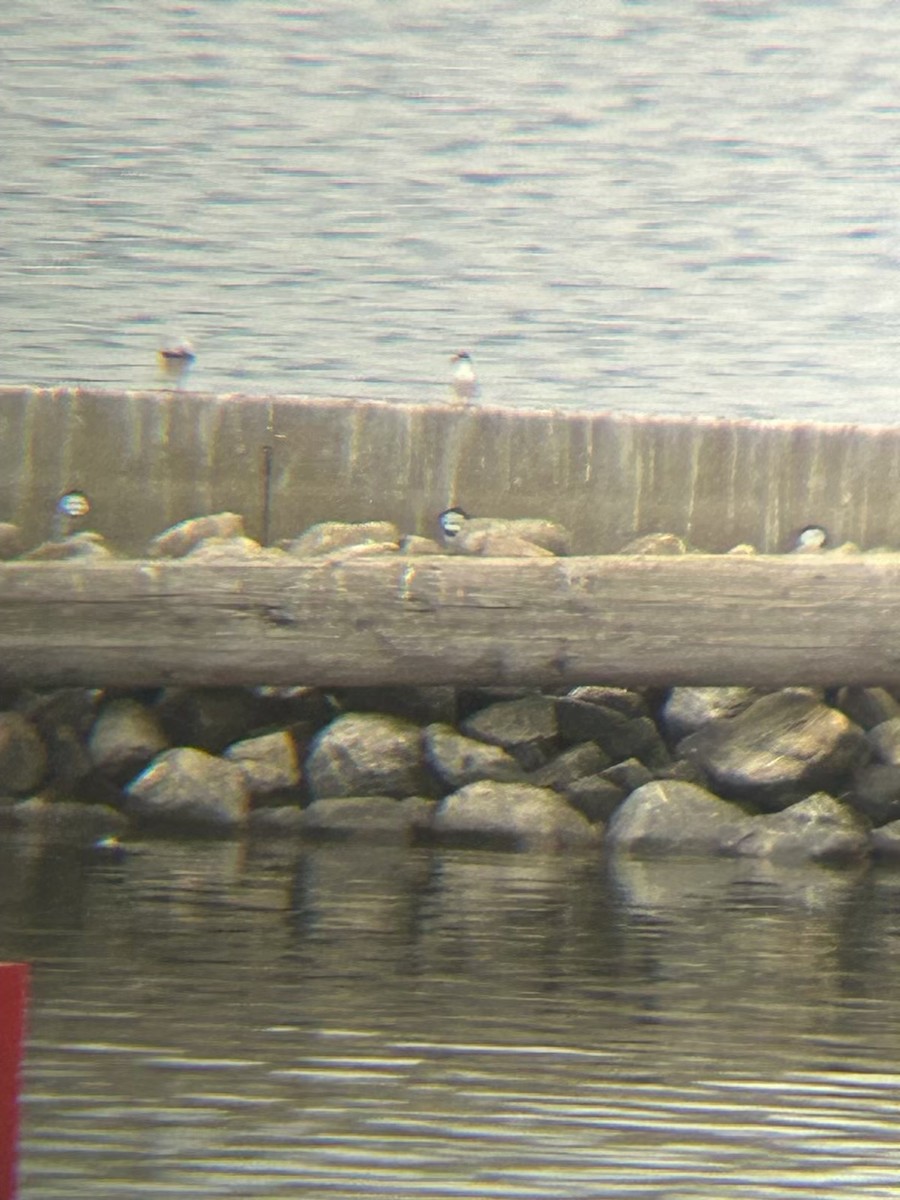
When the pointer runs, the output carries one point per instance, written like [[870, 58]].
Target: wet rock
[[671, 817], [876, 793], [574, 763], [125, 737], [23, 756], [514, 815], [818, 829], [526, 728], [365, 754], [457, 760], [595, 796], [11, 544], [368, 818], [178, 540], [655, 543], [885, 741], [867, 706], [783, 744], [329, 536], [268, 762], [190, 789], [688, 709]]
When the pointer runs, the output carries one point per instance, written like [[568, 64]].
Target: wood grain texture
[[766, 621]]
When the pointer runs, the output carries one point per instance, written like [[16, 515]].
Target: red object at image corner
[[13, 999]]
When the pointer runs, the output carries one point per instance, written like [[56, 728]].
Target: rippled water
[[631, 205], [215, 1021]]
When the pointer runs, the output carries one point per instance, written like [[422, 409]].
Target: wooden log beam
[[766, 621]]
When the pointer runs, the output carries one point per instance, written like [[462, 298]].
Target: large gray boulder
[[615, 732], [424, 705], [457, 760], [23, 756], [268, 762], [514, 815], [190, 789], [367, 818], [623, 700], [526, 728], [125, 737], [669, 816], [885, 741], [596, 797], [886, 842], [784, 745], [575, 763], [210, 718], [364, 754], [818, 829], [867, 706], [876, 793], [688, 709]]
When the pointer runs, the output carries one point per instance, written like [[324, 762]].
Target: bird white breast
[[465, 384]]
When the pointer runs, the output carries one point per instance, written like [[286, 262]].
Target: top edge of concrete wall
[[531, 412], [149, 458]]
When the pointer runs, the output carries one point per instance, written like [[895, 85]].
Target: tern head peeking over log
[[464, 381], [70, 509], [810, 540]]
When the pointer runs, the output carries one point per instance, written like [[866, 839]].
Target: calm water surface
[[213, 1020], [629, 205]]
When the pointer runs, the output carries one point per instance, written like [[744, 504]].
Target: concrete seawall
[[148, 459]]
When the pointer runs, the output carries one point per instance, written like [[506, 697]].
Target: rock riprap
[[794, 776]]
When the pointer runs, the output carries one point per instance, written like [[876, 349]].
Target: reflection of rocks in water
[[349, 903]]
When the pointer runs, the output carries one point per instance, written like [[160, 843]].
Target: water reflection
[[221, 1019]]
